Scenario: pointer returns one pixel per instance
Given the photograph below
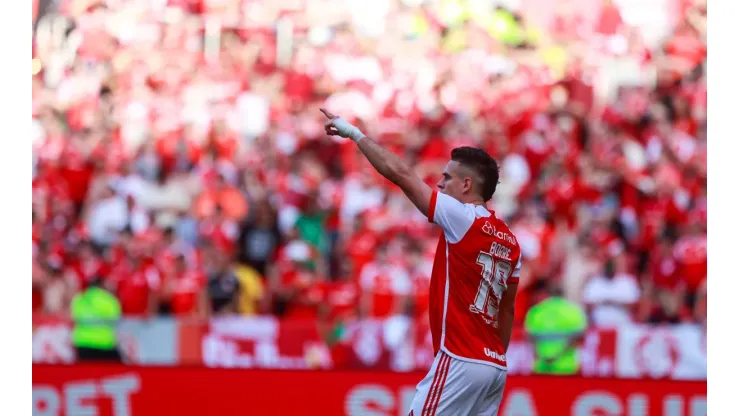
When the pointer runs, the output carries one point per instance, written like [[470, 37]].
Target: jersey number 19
[[491, 287]]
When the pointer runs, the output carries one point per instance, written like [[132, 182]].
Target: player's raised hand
[[329, 124], [337, 126]]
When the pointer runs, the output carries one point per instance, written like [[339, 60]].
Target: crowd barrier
[[636, 352]]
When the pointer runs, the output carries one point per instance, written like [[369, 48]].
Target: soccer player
[[474, 278]]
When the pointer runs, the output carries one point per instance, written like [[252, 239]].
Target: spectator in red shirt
[[385, 286], [183, 293], [668, 309], [298, 289], [360, 244], [665, 289], [691, 257], [137, 282], [341, 304], [87, 265]]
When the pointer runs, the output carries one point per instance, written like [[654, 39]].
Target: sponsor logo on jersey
[[504, 236], [494, 355], [500, 251], [488, 228]]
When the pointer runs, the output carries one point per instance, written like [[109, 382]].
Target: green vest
[[552, 324], [95, 313]]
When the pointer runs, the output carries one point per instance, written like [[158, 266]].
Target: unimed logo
[[81, 397], [495, 355]]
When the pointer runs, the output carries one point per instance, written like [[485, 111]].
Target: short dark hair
[[484, 166]]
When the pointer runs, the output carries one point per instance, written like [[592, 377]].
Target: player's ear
[[467, 184]]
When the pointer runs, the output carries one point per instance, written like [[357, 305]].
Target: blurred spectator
[[252, 290], [311, 224], [108, 217], [95, 312], [342, 298], [183, 287], [86, 266], [556, 327], [667, 309], [691, 258], [221, 196], [56, 291], [136, 281], [224, 288], [612, 296], [385, 286], [259, 238], [297, 285]]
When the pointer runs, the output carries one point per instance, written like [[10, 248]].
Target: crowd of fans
[[180, 160]]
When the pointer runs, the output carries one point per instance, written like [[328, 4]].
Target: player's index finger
[[326, 113]]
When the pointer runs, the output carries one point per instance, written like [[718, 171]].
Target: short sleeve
[[453, 216]]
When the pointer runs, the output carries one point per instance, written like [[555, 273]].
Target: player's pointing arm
[[385, 162]]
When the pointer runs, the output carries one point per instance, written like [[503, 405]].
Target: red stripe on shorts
[[441, 387], [439, 374], [435, 381]]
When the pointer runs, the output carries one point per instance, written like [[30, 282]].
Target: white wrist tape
[[347, 130]]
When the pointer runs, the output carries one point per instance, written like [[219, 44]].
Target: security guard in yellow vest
[[95, 313], [555, 326]]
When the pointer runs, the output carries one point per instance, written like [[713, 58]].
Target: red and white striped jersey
[[477, 258]]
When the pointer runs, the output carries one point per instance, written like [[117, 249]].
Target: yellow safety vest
[[552, 324], [95, 313]]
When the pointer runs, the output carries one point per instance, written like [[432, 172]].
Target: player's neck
[[474, 201]]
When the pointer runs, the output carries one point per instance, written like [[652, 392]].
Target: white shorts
[[453, 387]]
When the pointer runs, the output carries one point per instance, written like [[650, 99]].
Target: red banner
[[270, 343], [262, 342], [121, 391]]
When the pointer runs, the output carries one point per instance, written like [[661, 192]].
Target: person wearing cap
[[95, 313]]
